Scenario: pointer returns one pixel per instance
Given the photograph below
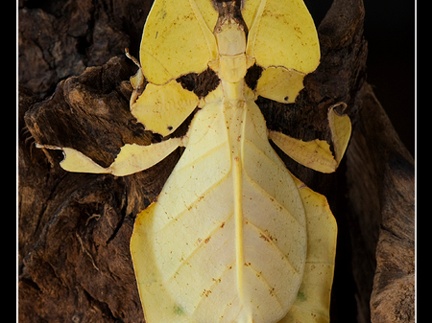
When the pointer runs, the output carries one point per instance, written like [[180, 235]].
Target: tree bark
[[74, 229]]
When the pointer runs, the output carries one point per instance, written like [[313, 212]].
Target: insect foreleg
[[316, 154], [132, 158]]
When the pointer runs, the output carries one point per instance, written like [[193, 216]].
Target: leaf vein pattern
[[267, 195], [187, 208], [266, 283], [270, 241], [195, 250], [214, 283], [202, 157], [260, 151]]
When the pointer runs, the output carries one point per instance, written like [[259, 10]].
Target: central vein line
[[235, 110], [238, 215]]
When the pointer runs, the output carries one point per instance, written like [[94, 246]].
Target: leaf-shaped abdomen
[[226, 240]]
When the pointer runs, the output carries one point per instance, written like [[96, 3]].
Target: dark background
[[389, 30]]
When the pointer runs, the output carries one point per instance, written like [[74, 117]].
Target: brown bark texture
[[74, 229]]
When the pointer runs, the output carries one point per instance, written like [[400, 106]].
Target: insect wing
[[226, 239]]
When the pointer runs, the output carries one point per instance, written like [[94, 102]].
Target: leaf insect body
[[233, 235]]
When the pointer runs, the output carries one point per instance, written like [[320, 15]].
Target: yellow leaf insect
[[233, 235]]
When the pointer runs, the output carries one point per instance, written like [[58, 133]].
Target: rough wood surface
[[74, 229], [381, 197]]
